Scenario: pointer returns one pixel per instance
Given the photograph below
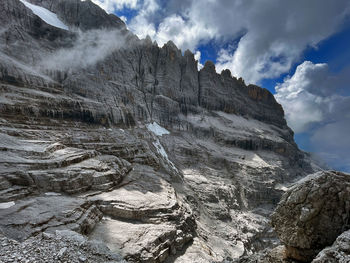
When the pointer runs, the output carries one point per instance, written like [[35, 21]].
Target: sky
[[299, 50]]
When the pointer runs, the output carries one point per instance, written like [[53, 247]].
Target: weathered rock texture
[[313, 213], [62, 246], [338, 252], [76, 153]]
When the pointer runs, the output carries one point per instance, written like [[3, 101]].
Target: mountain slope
[[74, 109]]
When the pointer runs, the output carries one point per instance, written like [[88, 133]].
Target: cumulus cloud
[[197, 56], [162, 27], [302, 95], [313, 104], [277, 33], [112, 5], [141, 24]]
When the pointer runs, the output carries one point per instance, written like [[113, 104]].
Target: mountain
[[113, 147]]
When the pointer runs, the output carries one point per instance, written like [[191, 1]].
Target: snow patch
[[162, 152], [46, 15], [281, 187], [6, 205], [156, 129]]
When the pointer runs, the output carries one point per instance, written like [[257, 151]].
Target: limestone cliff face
[[165, 77], [82, 119]]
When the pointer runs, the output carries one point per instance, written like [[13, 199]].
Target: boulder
[[313, 213]]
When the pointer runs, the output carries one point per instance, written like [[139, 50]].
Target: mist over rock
[[79, 151]]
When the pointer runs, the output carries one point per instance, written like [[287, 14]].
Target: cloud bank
[[317, 101]]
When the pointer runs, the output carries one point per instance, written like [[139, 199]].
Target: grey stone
[[339, 251]]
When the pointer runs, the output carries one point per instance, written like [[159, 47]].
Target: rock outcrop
[[312, 214], [77, 152]]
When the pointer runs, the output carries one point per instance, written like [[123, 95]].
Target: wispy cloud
[[89, 48]]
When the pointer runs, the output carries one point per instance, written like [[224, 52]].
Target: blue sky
[[299, 50]]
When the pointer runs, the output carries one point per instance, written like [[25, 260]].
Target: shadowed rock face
[[74, 109], [338, 252]]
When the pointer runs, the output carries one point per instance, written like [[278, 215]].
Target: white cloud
[[197, 56], [313, 105], [181, 29], [302, 106], [141, 25], [124, 19], [309, 97], [112, 5], [277, 33]]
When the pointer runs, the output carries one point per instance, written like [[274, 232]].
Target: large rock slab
[[49, 212], [143, 218]]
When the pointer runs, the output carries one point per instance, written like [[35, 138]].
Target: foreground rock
[[338, 252], [61, 246], [313, 213], [275, 255]]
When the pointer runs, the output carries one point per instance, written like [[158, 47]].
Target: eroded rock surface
[[313, 213], [338, 252]]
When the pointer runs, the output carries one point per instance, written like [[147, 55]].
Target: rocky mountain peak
[[209, 66]]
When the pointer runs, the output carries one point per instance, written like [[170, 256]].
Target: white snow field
[[46, 15], [156, 129], [6, 205]]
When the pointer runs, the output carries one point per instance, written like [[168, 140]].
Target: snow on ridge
[[46, 15], [156, 129]]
